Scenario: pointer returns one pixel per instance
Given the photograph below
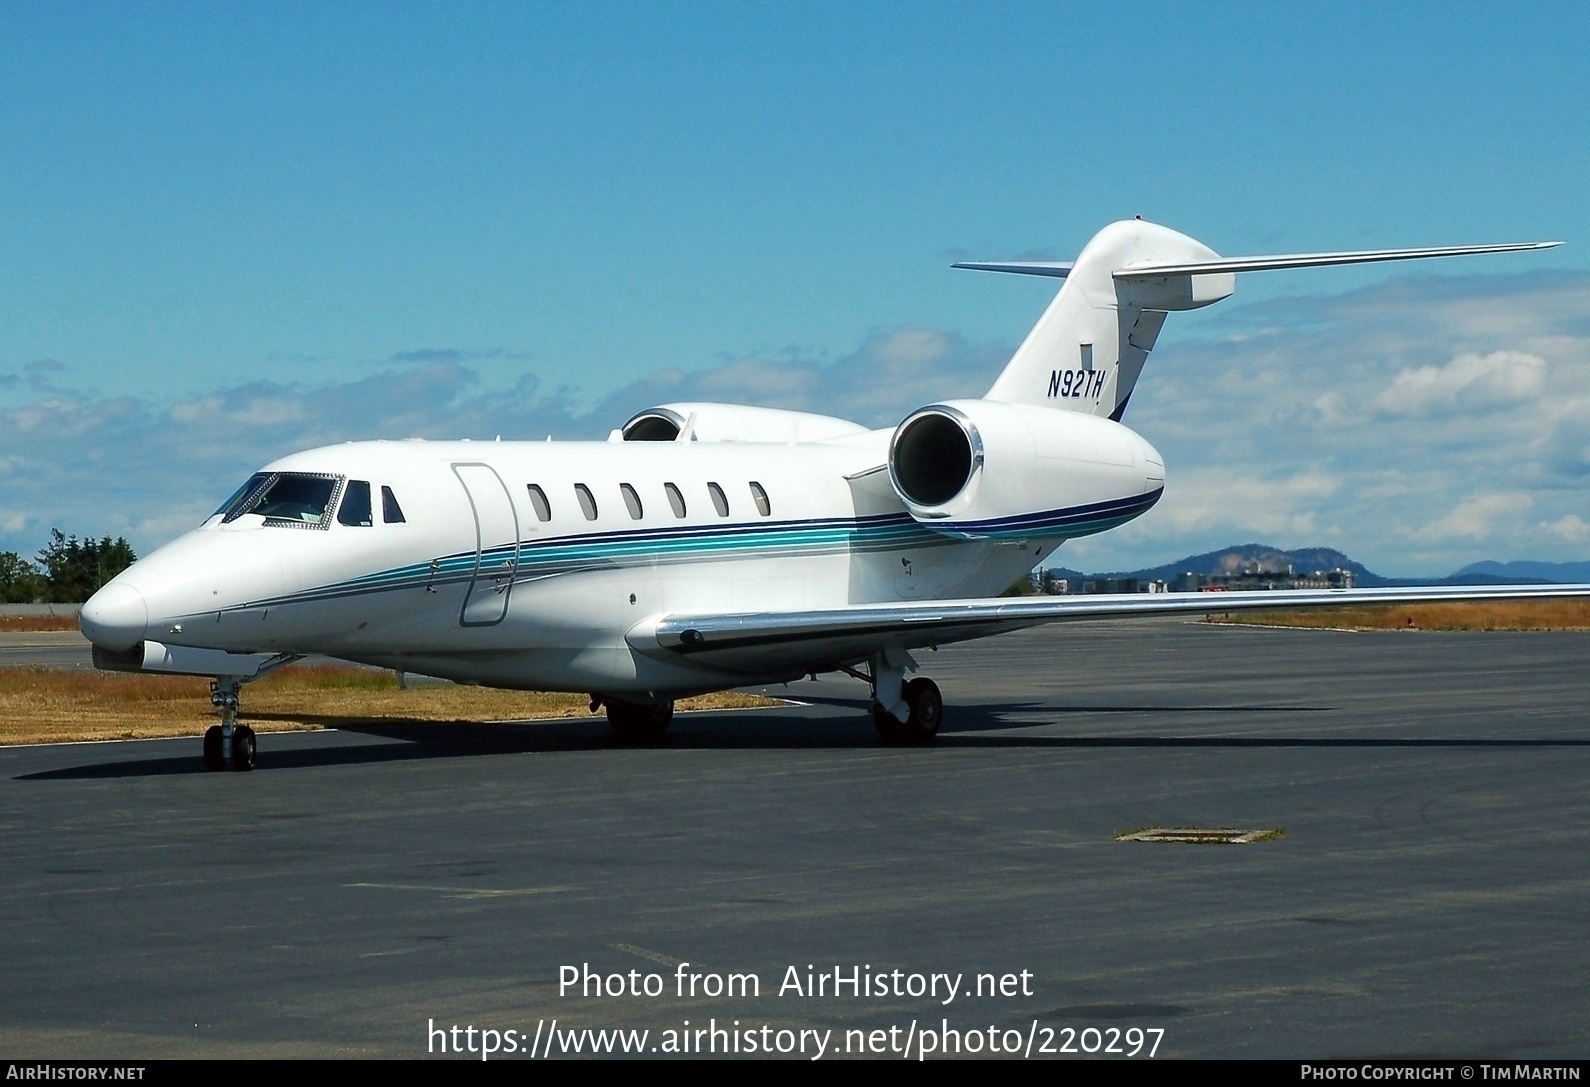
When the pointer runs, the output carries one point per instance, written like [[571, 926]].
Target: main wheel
[[927, 714], [927, 709], [242, 748], [889, 727], [213, 758], [639, 723]]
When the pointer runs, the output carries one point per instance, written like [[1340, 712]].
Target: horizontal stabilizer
[[1112, 301], [1056, 269], [1152, 269]]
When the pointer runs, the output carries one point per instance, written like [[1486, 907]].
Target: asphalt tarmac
[[65, 649], [45, 648], [1430, 896]]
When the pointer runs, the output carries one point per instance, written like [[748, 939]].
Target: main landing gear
[[636, 722], [923, 720], [903, 712], [228, 742]]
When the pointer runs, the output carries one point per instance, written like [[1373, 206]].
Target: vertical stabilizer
[[1087, 350]]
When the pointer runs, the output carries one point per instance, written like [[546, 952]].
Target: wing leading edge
[[803, 640]]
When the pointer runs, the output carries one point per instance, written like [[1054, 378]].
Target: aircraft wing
[[808, 640]]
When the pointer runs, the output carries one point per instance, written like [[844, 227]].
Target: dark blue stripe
[[1116, 507]]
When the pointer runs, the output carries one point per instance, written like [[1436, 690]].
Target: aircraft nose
[[116, 617]]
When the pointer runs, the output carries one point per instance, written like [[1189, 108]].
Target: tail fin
[[1087, 350]]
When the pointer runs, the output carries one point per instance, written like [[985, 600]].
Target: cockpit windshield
[[247, 489], [296, 498]]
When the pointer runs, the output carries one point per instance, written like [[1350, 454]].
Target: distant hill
[[1232, 560], [1567, 572], [1306, 560]]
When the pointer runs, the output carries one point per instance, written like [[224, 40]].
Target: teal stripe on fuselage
[[571, 554], [540, 558]]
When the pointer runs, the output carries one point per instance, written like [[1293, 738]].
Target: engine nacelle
[[707, 422], [981, 469]]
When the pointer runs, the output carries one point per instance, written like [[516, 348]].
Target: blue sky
[[228, 231]]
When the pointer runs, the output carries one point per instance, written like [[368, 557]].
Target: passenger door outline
[[491, 584]]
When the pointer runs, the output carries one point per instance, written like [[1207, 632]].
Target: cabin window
[[631, 500], [391, 512], [675, 499], [587, 501], [355, 510], [760, 497], [720, 501], [538, 502], [290, 498]]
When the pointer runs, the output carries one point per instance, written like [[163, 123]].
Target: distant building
[[1256, 579], [1044, 581], [1253, 578]]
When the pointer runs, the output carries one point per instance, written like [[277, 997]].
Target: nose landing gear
[[228, 742]]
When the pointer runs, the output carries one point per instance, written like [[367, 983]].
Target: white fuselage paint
[[550, 610]]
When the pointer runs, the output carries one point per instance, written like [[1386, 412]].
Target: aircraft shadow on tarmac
[[972, 726]]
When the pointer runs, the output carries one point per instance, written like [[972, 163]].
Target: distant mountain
[[1566, 572], [1306, 560], [1233, 560]]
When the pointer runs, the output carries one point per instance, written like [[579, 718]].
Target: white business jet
[[707, 546]]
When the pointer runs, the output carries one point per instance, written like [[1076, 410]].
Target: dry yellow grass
[[32, 623], [1487, 615], [40, 705]]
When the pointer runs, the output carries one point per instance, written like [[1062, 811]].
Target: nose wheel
[[214, 749], [243, 748], [228, 743]]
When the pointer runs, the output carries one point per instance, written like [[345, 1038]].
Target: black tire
[[213, 759], [890, 729], [639, 723], [927, 709], [242, 748]]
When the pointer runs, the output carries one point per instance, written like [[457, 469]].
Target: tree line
[[66, 571]]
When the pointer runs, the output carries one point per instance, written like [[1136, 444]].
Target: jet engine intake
[[986, 469], [935, 455]]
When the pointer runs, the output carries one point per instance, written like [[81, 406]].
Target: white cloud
[[1572, 528], [878, 384], [1564, 441], [268, 411], [915, 347], [1490, 379], [149, 471], [1470, 382], [1246, 505], [1335, 409], [1477, 517], [172, 523]]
